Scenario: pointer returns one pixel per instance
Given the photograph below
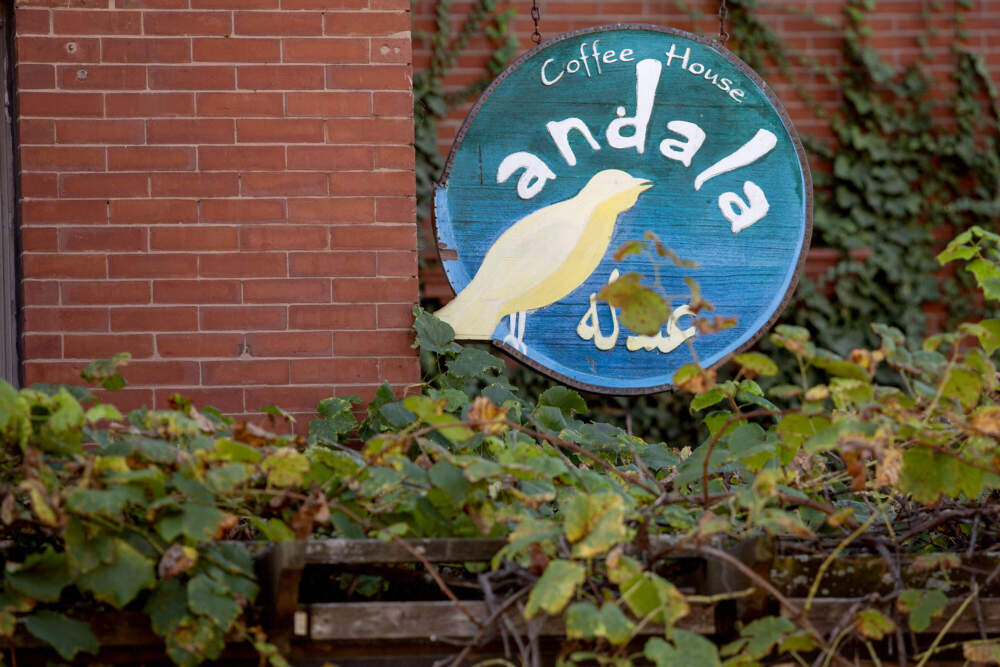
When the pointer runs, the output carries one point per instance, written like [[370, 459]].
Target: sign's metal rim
[[786, 121]]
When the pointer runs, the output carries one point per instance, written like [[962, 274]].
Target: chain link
[[536, 36], [723, 15]]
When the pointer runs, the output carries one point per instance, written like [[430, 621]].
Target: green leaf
[[66, 635], [195, 640], [212, 599], [397, 415], [103, 411], [285, 467], [196, 521], [567, 400], [474, 362], [649, 594], [119, 581], [642, 310], [989, 336], [872, 624], [759, 637], [167, 606], [594, 523], [451, 480], [433, 335], [337, 418], [583, 621], [708, 399], [922, 606], [617, 627], [964, 386], [41, 576], [237, 452], [689, 650], [757, 364], [554, 589], [109, 502]]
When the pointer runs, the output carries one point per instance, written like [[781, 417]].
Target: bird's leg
[[522, 323], [516, 323]]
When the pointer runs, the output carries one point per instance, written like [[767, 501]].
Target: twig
[[832, 557]]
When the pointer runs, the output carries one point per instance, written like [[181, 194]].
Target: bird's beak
[[644, 185]]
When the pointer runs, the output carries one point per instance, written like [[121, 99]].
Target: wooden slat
[[413, 620], [828, 613]]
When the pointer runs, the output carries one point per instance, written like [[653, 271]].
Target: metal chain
[[536, 36], [723, 15]]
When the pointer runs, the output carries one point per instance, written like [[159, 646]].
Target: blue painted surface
[[745, 274]]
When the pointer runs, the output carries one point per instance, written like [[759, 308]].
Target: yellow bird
[[542, 257]]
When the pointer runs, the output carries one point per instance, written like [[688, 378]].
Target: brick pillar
[[223, 188]]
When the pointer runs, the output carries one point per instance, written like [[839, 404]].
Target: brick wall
[[222, 188]]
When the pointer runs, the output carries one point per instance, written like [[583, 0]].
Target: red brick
[[394, 157], [60, 104], [280, 77], [234, 4], [225, 399], [395, 315], [152, 4], [99, 346], [242, 210], [243, 265], [149, 211], [58, 50], [104, 185], [329, 158], [187, 23], [279, 130], [392, 104], [304, 399], [397, 264], [286, 290], [198, 345], [101, 77], [324, 4], [192, 77], [63, 266], [197, 184], [366, 24], [289, 344], [100, 131], [332, 264], [152, 318], [36, 131], [145, 50], [396, 209], [86, 211], [162, 372], [127, 399], [334, 210], [368, 77], [248, 318], [39, 185], [194, 237], [66, 319], [69, 22], [240, 104], [59, 158], [278, 23], [285, 184], [146, 265], [382, 343], [89, 4], [386, 50], [136, 158], [105, 292], [241, 158], [108, 239], [399, 369], [35, 76], [283, 238], [370, 131], [31, 21], [196, 291], [39, 239], [374, 290], [39, 292], [375, 183], [42, 346], [374, 237], [191, 131], [306, 371], [237, 50], [332, 317], [329, 104], [150, 105], [309, 50]]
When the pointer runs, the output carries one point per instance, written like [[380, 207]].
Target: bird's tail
[[471, 318]]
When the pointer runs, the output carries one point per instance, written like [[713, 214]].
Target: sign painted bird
[[589, 141]]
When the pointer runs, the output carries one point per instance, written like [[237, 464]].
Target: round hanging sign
[[588, 142]]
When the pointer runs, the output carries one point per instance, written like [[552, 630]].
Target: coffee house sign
[[589, 141]]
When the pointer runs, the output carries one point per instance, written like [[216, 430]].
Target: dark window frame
[[10, 251]]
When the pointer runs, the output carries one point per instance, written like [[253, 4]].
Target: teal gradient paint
[[748, 274]]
